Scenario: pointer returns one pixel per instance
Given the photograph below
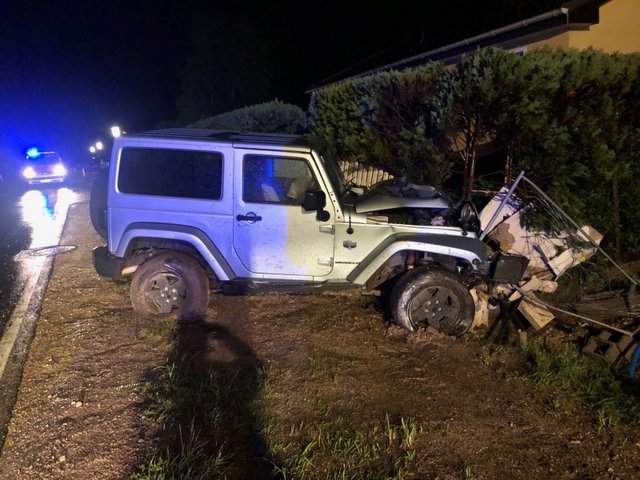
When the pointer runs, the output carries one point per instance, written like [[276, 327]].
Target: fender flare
[[193, 236], [469, 249]]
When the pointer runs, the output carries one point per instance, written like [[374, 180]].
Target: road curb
[[19, 332], [14, 346]]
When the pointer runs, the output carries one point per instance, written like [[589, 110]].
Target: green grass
[[335, 448], [181, 390], [123, 287], [323, 367], [466, 470], [588, 381], [225, 403], [243, 414], [158, 333], [192, 462], [488, 353], [176, 393]]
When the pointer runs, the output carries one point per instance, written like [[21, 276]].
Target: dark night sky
[[69, 69]]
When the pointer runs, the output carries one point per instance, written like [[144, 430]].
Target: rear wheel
[[432, 297], [170, 285]]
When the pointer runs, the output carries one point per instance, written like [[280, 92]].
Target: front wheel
[[170, 285], [432, 297]]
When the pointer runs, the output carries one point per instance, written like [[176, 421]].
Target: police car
[[43, 167]]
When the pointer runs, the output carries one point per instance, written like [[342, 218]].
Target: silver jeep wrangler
[[185, 211]]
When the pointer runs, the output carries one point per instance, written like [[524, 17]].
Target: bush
[[269, 117], [384, 120], [567, 117]]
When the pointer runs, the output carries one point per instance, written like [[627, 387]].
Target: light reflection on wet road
[[31, 219], [44, 213]]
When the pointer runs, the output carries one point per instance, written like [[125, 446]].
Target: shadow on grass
[[208, 400]]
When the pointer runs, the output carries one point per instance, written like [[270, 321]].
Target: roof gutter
[[493, 33], [462, 43]]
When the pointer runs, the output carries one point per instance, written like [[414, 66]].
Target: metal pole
[[486, 230], [567, 312], [579, 228]]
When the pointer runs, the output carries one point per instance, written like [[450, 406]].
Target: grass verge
[[191, 462], [303, 420], [587, 380]]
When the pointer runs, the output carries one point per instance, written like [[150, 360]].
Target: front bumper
[[107, 264], [45, 179]]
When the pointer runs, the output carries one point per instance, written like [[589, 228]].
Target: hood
[[400, 193]]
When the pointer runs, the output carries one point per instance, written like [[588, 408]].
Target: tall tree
[[400, 117], [587, 155], [468, 102], [526, 87], [628, 164]]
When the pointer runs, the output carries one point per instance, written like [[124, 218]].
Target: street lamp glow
[[116, 131], [92, 149], [99, 145]]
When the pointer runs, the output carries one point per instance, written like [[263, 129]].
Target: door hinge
[[326, 261]]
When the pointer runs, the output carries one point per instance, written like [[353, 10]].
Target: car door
[[273, 236]]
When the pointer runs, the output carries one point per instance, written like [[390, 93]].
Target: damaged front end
[[399, 201], [452, 230], [506, 268], [564, 278]]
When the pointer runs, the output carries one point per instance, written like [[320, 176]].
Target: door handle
[[249, 217]]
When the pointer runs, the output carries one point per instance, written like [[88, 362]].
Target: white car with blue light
[[43, 167], [187, 211]]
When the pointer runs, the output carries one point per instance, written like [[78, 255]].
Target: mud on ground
[[342, 395]]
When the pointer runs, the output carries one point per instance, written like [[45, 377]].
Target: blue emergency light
[[33, 152]]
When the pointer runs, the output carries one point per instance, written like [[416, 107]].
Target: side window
[[171, 173], [282, 180]]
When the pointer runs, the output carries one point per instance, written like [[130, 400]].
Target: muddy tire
[[98, 202], [170, 285], [432, 297]]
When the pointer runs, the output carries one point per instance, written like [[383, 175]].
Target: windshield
[[45, 157], [333, 170]]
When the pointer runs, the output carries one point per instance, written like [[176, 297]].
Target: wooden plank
[[537, 315], [604, 308]]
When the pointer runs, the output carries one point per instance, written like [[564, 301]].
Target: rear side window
[[171, 173]]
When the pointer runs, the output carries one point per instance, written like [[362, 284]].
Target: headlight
[[59, 170], [28, 172]]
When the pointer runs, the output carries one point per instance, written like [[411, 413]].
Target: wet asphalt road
[[31, 222], [31, 219]]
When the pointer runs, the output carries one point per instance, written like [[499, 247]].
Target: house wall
[[617, 31], [559, 41]]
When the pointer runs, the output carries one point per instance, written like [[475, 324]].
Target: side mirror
[[314, 200], [469, 218]]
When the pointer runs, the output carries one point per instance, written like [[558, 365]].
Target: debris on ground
[[558, 251]]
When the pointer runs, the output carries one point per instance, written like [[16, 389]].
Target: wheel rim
[[434, 305], [166, 291]]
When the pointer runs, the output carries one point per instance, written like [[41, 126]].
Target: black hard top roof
[[232, 137]]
